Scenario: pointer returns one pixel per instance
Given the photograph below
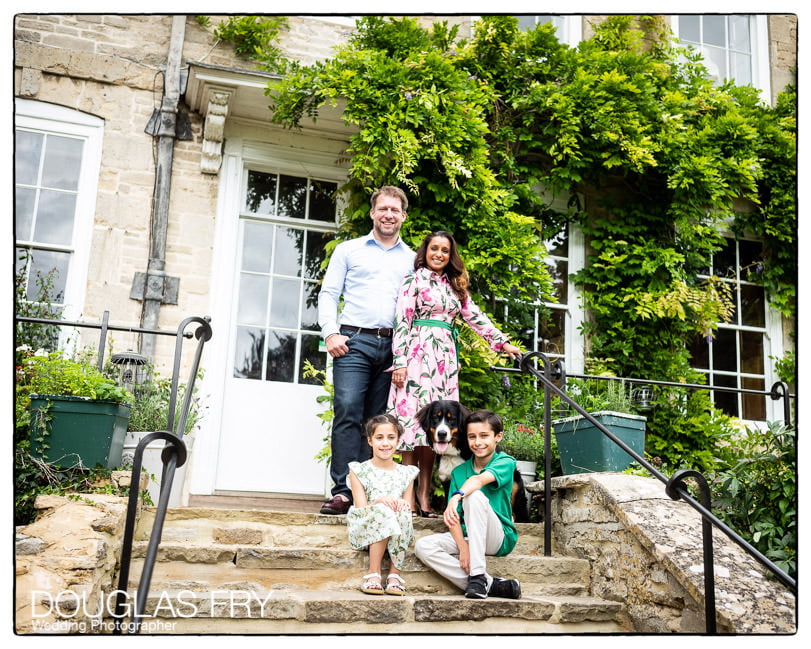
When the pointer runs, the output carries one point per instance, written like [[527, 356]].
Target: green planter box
[[584, 449], [81, 432]]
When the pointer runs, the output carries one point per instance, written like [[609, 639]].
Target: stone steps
[[282, 572], [199, 569], [331, 612]]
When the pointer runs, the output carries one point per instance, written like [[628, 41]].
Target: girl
[[380, 517], [426, 367]]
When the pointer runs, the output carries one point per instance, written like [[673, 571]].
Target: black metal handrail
[[674, 486], [104, 326], [779, 390], [173, 456]]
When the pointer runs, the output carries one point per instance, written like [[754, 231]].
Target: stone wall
[[109, 66], [782, 51], [66, 563], [646, 551]]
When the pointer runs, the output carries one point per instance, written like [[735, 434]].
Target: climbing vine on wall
[[656, 162]]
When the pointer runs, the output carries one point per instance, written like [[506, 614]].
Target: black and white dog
[[444, 426], [444, 423]]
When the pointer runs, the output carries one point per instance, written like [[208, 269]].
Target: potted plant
[[150, 413], [582, 446], [76, 417], [525, 443]]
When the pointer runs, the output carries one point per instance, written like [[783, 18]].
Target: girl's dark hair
[[455, 270], [486, 417], [373, 422]]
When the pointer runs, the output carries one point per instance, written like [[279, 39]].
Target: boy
[[480, 490]]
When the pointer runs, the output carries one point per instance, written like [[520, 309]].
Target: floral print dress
[[373, 523], [429, 352]]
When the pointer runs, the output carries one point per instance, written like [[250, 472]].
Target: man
[[367, 272]]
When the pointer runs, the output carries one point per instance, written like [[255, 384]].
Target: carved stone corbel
[[214, 130]]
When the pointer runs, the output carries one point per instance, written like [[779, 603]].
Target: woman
[[426, 367]]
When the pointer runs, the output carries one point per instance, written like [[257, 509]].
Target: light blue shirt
[[369, 277]]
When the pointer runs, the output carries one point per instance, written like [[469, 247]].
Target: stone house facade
[[89, 90]]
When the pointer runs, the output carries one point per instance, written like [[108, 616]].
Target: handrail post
[[676, 489], [105, 321], [780, 391], [202, 333], [174, 454], [547, 463], [547, 441]]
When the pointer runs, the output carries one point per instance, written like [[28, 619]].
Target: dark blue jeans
[[361, 391]]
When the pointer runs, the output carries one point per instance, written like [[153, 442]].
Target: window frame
[[570, 31], [573, 353], [51, 119], [772, 333], [308, 165], [570, 34], [759, 44]]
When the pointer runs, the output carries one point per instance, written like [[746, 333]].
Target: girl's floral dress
[[429, 352], [373, 523]]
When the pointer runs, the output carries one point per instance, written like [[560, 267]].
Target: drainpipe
[[154, 287]]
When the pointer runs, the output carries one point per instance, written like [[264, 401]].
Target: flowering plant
[[41, 372], [523, 442]]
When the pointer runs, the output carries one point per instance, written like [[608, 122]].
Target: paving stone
[[456, 608], [240, 535]]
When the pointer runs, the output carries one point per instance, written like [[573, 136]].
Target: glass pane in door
[[277, 319]]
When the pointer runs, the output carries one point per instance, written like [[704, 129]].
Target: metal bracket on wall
[[155, 286]]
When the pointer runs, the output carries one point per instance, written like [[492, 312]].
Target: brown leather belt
[[380, 333]]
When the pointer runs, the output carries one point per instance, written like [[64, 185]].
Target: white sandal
[[371, 584], [395, 588]]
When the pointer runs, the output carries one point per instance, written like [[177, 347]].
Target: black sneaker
[[476, 587], [506, 588]]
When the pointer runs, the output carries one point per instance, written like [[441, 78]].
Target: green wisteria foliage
[[654, 159]]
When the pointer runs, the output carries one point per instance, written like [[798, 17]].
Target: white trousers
[[484, 536]]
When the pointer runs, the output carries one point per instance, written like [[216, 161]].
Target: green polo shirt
[[502, 466]]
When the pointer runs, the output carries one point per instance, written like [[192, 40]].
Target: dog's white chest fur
[[448, 461]]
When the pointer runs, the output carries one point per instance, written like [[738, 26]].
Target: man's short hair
[[390, 191]]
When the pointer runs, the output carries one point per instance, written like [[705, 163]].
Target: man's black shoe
[[476, 587], [507, 588], [336, 506]]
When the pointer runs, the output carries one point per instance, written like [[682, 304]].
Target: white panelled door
[[270, 431]]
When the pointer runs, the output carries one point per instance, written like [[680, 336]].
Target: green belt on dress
[[422, 322]]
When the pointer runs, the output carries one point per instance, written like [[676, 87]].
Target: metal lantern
[[132, 370], [642, 397]]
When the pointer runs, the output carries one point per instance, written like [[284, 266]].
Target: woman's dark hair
[[373, 422], [455, 270], [486, 417]]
